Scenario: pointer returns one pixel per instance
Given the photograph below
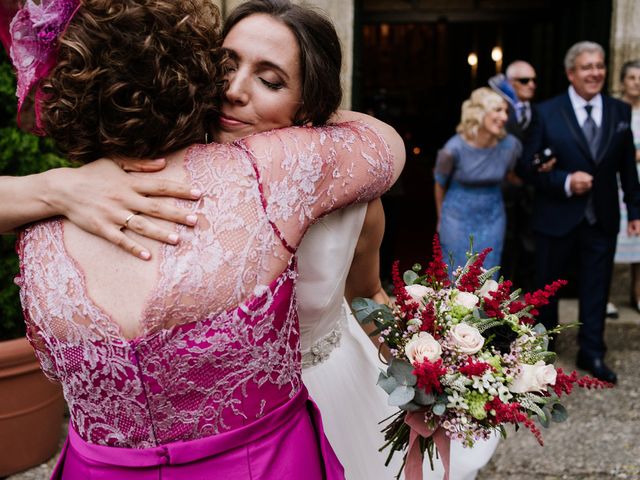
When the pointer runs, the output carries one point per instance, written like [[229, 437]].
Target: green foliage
[[20, 154]]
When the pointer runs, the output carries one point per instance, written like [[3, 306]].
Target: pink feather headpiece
[[35, 30]]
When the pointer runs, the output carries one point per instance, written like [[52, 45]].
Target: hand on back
[[99, 198]]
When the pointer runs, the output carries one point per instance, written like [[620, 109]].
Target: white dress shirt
[[578, 103]]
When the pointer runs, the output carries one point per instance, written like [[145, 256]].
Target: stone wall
[[625, 38], [341, 13]]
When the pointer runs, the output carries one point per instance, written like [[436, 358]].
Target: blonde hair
[[481, 102]]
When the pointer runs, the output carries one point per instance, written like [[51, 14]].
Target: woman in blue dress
[[469, 171]]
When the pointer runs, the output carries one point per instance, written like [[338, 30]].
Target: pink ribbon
[[413, 467]]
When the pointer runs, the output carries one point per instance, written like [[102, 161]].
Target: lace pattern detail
[[217, 344]]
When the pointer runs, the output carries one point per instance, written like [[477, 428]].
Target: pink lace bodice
[[218, 342]]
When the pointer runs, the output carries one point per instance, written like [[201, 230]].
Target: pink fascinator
[[8, 9], [34, 34]]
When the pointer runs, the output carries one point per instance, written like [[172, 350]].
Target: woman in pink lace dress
[[186, 366]]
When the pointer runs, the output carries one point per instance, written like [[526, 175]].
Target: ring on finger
[[126, 220]]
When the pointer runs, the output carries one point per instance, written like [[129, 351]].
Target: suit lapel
[[606, 126], [572, 123]]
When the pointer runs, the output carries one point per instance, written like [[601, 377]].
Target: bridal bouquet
[[466, 359]]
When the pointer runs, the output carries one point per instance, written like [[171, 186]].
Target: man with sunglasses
[[576, 206], [522, 77], [518, 87]]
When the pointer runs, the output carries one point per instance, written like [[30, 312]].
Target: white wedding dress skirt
[[340, 362]]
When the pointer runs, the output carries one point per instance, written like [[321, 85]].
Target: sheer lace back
[[218, 343]]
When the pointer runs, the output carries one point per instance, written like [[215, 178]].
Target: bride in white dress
[[340, 362]]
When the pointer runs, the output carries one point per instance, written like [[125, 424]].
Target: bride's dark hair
[[320, 54], [134, 78]]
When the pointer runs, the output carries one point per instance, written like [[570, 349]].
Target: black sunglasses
[[525, 80]]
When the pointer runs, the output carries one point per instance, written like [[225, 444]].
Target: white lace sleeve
[[308, 172]]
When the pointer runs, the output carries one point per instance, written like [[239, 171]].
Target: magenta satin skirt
[[286, 444]]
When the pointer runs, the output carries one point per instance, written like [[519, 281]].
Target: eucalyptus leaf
[[411, 407], [401, 395], [424, 398], [403, 372], [540, 329], [359, 303], [559, 413], [544, 419], [366, 310], [409, 277], [439, 409], [388, 384]]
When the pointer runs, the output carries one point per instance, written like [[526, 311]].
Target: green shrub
[[20, 154]]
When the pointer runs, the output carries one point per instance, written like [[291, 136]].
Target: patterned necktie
[[590, 130], [521, 113]]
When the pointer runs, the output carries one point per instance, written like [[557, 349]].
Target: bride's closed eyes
[[266, 72]]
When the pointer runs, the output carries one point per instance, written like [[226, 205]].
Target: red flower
[[472, 368], [540, 298], [428, 319], [593, 383], [505, 412], [492, 307], [437, 269], [516, 306], [407, 306], [469, 282], [512, 413], [564, 383], [428, 374]]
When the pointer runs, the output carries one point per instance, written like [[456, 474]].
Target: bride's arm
[[97, 197], [363, 279]]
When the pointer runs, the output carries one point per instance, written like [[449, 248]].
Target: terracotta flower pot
[[31, 409]]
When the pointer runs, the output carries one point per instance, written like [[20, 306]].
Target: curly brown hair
[[136, 78]]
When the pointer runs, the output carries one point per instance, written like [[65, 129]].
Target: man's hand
[[547, 166], [633, 228], [580, 182]]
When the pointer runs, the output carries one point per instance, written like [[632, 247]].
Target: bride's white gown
[[340, 363]]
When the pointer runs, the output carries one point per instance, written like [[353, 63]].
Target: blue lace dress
[[473, 205]]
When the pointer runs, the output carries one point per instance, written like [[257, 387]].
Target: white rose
[[421, 347], [489, 286], [466, 339], [534, 378], [466, 299], [418, 292]]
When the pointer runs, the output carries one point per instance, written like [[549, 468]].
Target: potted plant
[[31, 406]]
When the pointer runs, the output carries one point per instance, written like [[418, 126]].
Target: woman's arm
[[363, 279], [393, 139], [98, 197]]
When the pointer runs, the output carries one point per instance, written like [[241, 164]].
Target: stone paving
[[601, 438]]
